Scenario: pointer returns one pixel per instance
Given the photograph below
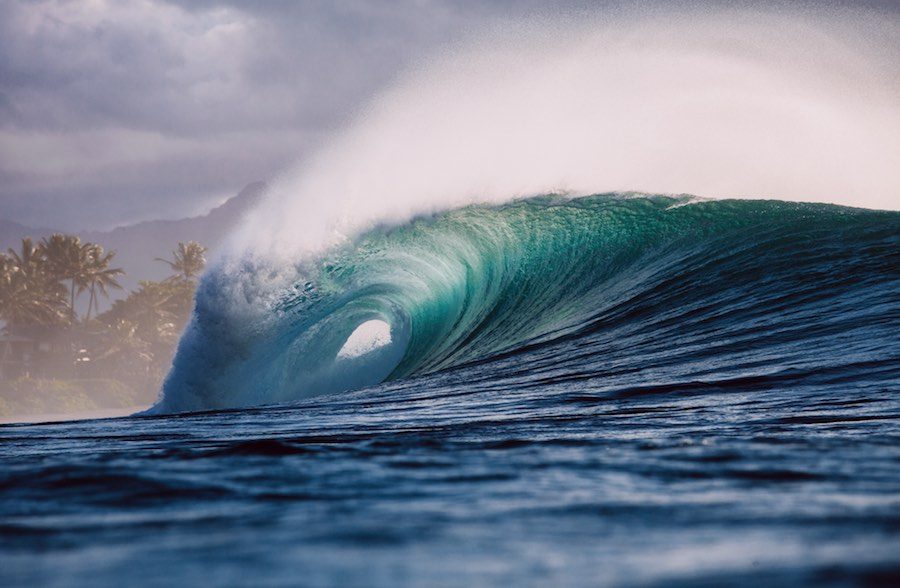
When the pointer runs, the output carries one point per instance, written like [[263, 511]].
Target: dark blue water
[[727, 413]]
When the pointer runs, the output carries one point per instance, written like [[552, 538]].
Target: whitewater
[[612, 300], [481, 282]]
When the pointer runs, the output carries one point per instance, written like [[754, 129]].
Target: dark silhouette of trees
[[187, 260], [67, 259], [131, 343], [100, 277], [29, 293]]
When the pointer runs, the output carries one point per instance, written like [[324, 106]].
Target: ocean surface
[[617, 390]]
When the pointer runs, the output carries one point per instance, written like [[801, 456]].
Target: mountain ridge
[[139, 244]]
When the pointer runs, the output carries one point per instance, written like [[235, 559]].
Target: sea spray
[[785, 104], [485, 281]]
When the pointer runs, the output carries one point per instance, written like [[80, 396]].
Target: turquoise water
[[611, 390]]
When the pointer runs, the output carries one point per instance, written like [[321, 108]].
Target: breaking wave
[[400, 249], [486, 282]]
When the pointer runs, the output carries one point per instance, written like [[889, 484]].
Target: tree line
[[42, 286]]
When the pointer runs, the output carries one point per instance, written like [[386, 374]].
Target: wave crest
[[482, 282]]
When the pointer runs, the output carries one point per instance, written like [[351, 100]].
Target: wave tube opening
[[786, 104]]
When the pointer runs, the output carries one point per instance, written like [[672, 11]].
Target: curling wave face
[[551, 287]]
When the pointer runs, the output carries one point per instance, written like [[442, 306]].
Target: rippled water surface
[[459, 483], [715, 412]]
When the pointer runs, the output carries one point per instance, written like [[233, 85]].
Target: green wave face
[[483, 281]]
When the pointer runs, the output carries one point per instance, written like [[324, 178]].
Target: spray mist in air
[[782, 105]]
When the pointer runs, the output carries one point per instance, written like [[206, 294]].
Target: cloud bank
[[113, 111], [117, 111]]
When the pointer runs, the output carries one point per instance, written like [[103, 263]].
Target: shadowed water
[[724, 411], [461, 483]]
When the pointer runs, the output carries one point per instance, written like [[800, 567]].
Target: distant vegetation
[[53, 359]]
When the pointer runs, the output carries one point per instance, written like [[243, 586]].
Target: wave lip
[[484, 283]]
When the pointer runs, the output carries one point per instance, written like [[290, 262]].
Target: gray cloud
[[116, 111], [113, 111]]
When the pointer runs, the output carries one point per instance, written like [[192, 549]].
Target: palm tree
[[151, 310], [68, 259], [28, 294], [187, 260], [100, 277], [29, 259]]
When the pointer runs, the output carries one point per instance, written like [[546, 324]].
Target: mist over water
[[726, 104]]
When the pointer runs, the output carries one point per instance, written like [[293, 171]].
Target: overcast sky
[[121, 110], [113, 111]]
